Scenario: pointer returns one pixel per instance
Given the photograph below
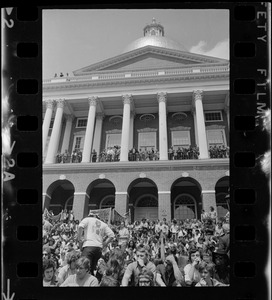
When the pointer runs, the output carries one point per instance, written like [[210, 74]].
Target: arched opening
[[186, 199], [107, 202], [59, 195], [185, 207], [143, 199], [100, 194], [221, 191]]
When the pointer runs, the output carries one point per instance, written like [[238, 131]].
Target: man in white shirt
[[93, 235]]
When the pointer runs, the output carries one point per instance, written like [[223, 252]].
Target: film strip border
[[22, 160]]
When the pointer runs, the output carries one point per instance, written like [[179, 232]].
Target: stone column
[[131, 135], [67, 133], [226, 109], [163, 144], [125, 128], [195, 124], [164, 205], [47, 120], [55, 136], [208, 200], [80, 205], [201, 129], [121, 202], [98, 132], [87, 148]]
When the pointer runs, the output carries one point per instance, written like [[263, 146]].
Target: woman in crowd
[[49, 278], [206, 271], [82, 276], [222, 269], [69, 268], [191, 272]]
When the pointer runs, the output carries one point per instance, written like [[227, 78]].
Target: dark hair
[[109, 281], [210, 267], [47, 264], [194, 250], [72, 256]]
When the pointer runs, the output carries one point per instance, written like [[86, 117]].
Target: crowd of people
[[90, 252], [113, 154], [220, 151]]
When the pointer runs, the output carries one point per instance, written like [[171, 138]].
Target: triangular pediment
[[149, 58]]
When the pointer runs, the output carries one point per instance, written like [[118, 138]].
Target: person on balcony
[[94, 155]]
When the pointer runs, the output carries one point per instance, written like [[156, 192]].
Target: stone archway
[[186, 199], [58, 194], [143, 199], [221, 193]]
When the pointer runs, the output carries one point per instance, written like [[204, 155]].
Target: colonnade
[[94, 127]]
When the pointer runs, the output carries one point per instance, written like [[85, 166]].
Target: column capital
[[100, 116], [197, 94], [69, 118], [60, 102], [49, 103], [127, 98], [162, 97], [93, 100]]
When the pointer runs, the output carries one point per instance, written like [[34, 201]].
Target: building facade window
[[216, 137], [78, 142], [213, 116], [147, 140], [113, 139], [180, 139], [185, 207], [81, 123]]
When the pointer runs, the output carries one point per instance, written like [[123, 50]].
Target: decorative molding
[[208, 192], [127, 99], [179, 128], [81, 132], [143, 117], [162, 97], [215, 127], [147, 129], [227, 173], [197, 95], [114, 131], [102, 176], [134, 81], [100, 116], [148, 49], [49, 103], [164, 192], [185, 174], [93, 100], [142, 175], [115, 117], [176, 115], [62, 177], [60, 103]]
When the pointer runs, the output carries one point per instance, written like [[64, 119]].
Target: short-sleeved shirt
[[196, 276], [71, 281], [134, 269], [94, 232]]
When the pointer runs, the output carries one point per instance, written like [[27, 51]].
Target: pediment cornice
[[78, 84], [198, 59]]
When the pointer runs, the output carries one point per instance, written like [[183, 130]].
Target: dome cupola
[[154, 36]]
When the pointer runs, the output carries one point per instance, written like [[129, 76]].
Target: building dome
[[154, 36]]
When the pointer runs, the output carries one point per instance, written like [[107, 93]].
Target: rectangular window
[[78, 142], [216, 137], [51, 124], [213, 116], [81, 123], [113, 139], [147, 140], [180, 139]]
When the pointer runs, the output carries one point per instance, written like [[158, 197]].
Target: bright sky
[[73, 39]]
